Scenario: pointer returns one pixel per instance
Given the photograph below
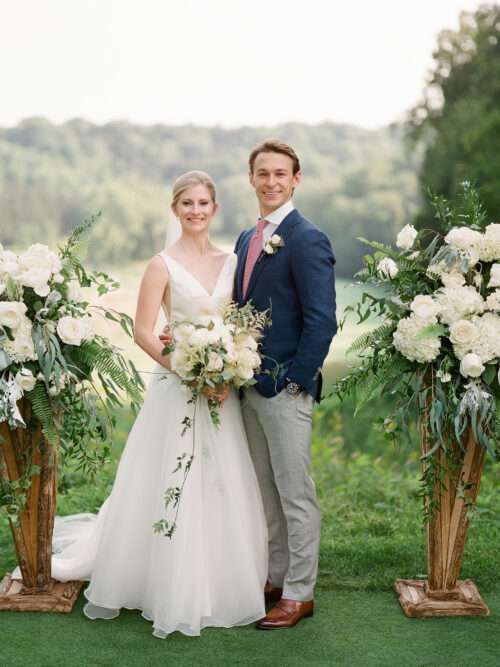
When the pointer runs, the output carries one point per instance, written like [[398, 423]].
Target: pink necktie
[[254, 250]]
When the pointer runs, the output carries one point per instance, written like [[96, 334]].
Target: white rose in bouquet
[[494, 276], [471, 366], [458, 302], [412, 341], [25, 379], [387, 268], [425, 307], [9, 264], [215, 362], [181, 361], [489, 249], [245, 340], [406, 237], [182, 332], [41, 257], [73, 330], [200, 338], [12, 314], [37, 278]]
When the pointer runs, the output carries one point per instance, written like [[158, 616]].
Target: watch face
[[292, 388]]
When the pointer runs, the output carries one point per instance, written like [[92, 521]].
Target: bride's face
[[195, 209]]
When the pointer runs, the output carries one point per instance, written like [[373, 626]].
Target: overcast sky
[[217, 62]]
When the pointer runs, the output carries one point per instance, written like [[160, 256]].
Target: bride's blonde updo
[[189, 179]]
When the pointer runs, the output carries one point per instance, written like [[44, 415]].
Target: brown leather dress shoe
[[286, 614], [272, 594]]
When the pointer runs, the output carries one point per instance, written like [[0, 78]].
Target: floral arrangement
[[437, 351], [51, 357], [207, 355]]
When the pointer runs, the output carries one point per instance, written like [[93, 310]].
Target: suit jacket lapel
[[284, 229]]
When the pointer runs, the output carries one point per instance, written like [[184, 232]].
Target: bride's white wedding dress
[[213, 570]]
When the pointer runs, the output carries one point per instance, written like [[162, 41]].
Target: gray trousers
[[279, 436]]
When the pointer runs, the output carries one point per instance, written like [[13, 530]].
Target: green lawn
[[371, 535]]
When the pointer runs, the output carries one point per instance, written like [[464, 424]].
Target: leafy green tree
[[458, 118]]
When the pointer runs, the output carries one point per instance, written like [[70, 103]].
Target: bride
[[213, 570]]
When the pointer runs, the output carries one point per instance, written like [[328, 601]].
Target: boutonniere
[[272, 246]]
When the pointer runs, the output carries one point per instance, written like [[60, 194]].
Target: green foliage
[[356, 182], [458, 119]]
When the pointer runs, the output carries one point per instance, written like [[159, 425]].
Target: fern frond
[[42, 409]]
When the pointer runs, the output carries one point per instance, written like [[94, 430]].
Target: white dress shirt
[[275, 219]]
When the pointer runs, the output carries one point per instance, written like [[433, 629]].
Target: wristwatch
[[292, 388]]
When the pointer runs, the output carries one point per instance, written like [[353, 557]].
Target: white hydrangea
[[493, 300], [410, 339], [494, 276], [489, 248], [36, 268], [463, 238], [21, 348], [12, 314], [458, 302], [487, 346]]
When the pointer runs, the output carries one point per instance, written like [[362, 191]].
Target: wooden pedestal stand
[[33, 534], [442, 594]]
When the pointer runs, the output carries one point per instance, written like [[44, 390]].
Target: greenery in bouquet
[[437, 350], [68, 376], [207, 355]]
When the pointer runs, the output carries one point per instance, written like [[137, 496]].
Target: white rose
[[12, 313], [72, 330], [387, 268], [37, 278], [182, 332], [39, 256], [25, 379], [494, 276], [463, 238], [181, 362], [406, 237], [471, 366], [425, 307], [199, 338], [463, 332], [9, 263], [245, 340], [268, 248], [215, 362], [275, 239]]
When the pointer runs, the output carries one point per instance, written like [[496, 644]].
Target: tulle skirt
[[213, 570]]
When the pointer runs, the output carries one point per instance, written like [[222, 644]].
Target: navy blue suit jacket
[[298, 284]]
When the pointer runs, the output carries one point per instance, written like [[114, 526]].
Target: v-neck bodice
[[189, 299]]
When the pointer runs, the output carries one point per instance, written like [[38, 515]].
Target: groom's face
[[273, 180]]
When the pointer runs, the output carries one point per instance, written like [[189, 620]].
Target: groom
[[286, 263]]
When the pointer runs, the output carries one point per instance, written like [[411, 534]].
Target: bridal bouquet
[[207, 355], [50, 354], [213, 352], [437, 352]]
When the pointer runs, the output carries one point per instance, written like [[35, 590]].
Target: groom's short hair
[[274, 146]]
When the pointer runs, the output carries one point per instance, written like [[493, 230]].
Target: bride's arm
[[151, 292]]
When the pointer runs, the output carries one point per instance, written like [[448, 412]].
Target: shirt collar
[[277, 216]]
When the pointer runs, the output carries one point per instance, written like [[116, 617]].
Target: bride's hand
[[218, 394], [166, 335]]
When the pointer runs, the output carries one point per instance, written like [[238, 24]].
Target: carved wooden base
[[418, 602], [59, 597]]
